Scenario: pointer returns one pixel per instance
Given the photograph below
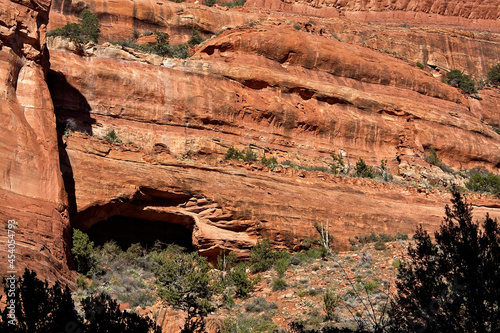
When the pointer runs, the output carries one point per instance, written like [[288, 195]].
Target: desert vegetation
[[355, 298], [86, 30]]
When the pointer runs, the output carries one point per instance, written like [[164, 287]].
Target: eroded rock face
[[31, 188], [230, 206], [296, 95], [268, 89], [473, 14]]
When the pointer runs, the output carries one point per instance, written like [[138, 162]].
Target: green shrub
[[110, 250], [481, 180], [196, 38], [90, 26], [262, 256], [270, 162], [494, 75], [386, 175], [455, 78], [112, 137], [330, 303], [249, 155], [433, 159], [209, 3], [87, 29], [279, 284], [72, 31], [239, 278], [81, 282], [281, 265], [184, 282], [84, 253], [385, 238], [338, 163], [234, 3], [401, 236], [363, 170], [370, 286], [233, 154], [419, 65], [396, 263]]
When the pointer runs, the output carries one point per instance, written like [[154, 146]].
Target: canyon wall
[[405, 28], [31, 188], [295, 81], [476, 15], [268, 89]]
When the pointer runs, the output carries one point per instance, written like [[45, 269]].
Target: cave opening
[[125, 231], [145, 217]]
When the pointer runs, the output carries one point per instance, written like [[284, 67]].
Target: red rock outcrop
[[269, 89], [476, 14], [296, 95], [31, 188], [424, 40], [229, 206]]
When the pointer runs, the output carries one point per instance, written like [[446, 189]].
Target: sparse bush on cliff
[[91, 28], [364, 170], [233, 154], [494, 75], [111, 137], [270, 162], [72, 31], [87, 29], [247, 155], [432, 158], [379, 240], [419, 65], [234, 3], [262, 256], [196, 38], [456, 78], [481, 180], [162, 47], [338, 165], [84, 254], [229, 4], [384, 172]]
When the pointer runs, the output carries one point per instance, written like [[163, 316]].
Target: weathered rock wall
[[31, 188], [266, 89], [475, 15], [462, 45], [230, 206]]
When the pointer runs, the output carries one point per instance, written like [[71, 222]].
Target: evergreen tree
[[452, 284]]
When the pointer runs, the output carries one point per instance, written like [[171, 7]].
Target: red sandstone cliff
[[31, 187], [478, 14], [297, 95], [289, 94]]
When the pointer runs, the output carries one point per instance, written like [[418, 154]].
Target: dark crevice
[[126, 231], [255, 84]]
